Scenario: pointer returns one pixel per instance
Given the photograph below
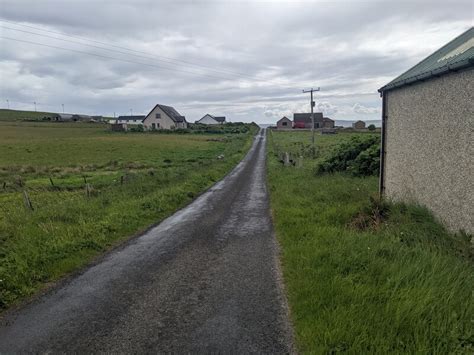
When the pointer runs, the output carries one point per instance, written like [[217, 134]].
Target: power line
[[114, 58], [155, 57], [126, 60]]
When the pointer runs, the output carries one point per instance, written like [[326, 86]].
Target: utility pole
[[35, 105], [63, 107], [312, 117], [8, 104]]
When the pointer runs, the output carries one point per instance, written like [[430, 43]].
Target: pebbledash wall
[[429, 147]]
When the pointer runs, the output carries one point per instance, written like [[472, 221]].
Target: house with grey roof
[[303, 120], [427, 134], [211, 120], [164, 117]]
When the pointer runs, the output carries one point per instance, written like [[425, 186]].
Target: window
[[157, 125], [158, 115], [284, 124], [153, 126]]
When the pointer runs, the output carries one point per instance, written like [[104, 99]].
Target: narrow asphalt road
[[204, 280]]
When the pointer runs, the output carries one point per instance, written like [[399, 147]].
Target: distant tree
[[371, 127]]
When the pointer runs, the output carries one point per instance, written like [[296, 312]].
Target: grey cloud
[[350, 49], [361, 109]]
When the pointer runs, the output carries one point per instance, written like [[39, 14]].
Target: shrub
[[359, 156], [367, 162], [371, 127], [138, 128]]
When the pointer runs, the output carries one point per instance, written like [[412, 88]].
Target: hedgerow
[[360, 156]]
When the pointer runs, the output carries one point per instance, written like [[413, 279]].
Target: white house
[[130, 120], [210, 119], [164, 117]]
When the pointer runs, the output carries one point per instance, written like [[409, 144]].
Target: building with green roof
[[427, 154]]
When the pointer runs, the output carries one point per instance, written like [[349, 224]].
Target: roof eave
[[454, 67]]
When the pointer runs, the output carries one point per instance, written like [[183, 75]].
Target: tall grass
[[403, 287]]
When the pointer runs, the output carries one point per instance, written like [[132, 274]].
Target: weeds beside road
[[402, 284], [104, 187]]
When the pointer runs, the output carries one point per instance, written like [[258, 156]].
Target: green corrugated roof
[[457, 54]]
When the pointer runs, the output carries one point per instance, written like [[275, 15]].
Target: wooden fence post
[[121, 180], [51, 181], [27, 200], [88, 190], [286, 160], [299, 162]]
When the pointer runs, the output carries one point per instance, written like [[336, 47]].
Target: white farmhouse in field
[[130, 120], [164, 117], [210, 119]]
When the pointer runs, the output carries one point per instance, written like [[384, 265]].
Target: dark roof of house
[[457, 54], [327, 119], [130, 118], [284, 118], [172, 113], [306, 117], [217, 118]]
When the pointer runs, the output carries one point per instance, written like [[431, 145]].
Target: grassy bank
[[17, 115], [90, 189], [400, 285]]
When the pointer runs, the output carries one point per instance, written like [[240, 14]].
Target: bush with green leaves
[[371, 127], [137, 128], [359, 156]]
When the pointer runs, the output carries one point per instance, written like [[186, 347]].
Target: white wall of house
[[158, 119], [207, 119]]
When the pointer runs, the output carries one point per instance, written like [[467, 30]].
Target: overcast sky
[[248, 60]]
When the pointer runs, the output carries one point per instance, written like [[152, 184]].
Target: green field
[[91, 189], [402, 284]]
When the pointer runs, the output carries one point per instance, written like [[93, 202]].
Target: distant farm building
[[284, 123], [130, 120], [60, 117], [303, 120], [358, 125], [211, 120], [427, 134], [68, 117], [164, 117]]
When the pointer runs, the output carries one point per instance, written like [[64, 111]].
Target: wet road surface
[[204, 280]]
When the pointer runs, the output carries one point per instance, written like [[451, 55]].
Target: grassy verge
[[403, 285], [134, 180]]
